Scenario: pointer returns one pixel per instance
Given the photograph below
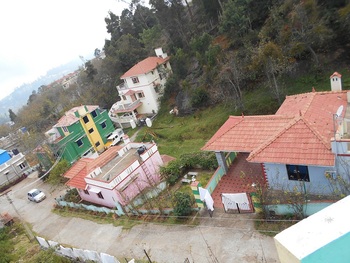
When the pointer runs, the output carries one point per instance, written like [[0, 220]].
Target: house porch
[[239, 178]]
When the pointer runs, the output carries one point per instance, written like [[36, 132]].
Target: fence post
[[195, 191]]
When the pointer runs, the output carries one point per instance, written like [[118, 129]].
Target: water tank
[[141, 149], [132, 124], [148, 122]]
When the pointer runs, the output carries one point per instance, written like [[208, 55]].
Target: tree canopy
[[219, 50]]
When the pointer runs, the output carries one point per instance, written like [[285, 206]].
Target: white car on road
[[36, 195]]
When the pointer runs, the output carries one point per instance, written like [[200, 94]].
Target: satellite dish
[[339, 111]]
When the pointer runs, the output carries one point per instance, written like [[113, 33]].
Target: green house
[[82, 131]]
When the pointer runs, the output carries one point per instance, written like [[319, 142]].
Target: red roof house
[[303, 141]]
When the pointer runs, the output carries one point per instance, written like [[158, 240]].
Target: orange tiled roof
[[84, 166], [144, 66], [299, 143], [299, 133], [244, 134], [69, 118], [335, 74]]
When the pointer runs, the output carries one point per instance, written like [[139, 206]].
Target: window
[[135, 80], [124, 98], [91, 130], [79, 142], [165, 65], [100, 195], [160, 76], [65, 129], [22, 166], [97, 144], [103, 125], [86, 119], [140, 95], [94, 114], [298, 173], [86, 192]]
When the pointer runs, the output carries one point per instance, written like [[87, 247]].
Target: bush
[[72, 195], [204, 160], [56, 174], [200, 98], [173, 171], [183, 204]]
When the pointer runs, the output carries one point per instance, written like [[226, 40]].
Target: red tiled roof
[[335, 74], [299, 133], [299, 143], [317, 108], [244, 134], [69, 118], [144, 66], [84, 166]]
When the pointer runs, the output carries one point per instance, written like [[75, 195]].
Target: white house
[[323, 237], [13, 166], [142, 87]]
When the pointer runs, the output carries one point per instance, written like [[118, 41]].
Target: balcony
[[122, 86], [122, 107]]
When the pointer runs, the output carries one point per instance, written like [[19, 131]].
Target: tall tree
[[231, 79], [12, 115], [269, 59], [299, 27]]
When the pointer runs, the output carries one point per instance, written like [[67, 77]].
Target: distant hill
[[20, 95]]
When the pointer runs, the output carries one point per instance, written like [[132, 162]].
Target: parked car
[[116, 137], [36, 195]]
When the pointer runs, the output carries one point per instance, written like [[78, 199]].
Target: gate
[[239, 202]]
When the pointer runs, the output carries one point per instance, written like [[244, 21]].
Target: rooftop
[[317, 230], [110, 163], [303, 125], [144, 66], [69, 117]]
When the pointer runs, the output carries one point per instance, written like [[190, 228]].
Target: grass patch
[[15, 246], [271, 227], [177, 135], [97, 217], [126, 222]]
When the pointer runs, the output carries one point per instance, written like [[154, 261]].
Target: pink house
[[118, 175]]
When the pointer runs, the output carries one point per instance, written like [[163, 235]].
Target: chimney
[[336, 82], [159, 53]]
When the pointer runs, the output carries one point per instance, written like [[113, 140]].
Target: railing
[[122, 86]]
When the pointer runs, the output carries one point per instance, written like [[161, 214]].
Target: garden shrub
[[175, 169], [183, 204]]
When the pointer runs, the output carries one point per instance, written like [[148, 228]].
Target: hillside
[[19, 97]]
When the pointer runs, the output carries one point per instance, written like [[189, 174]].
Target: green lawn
[[177, 135]]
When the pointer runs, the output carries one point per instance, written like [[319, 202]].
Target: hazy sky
[[37, 35]]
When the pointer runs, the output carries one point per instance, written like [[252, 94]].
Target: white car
[[116, 137], [36, 195]]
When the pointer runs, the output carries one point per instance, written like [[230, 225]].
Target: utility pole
[[149, 260]]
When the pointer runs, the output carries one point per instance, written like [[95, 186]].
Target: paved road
[[222, 238]]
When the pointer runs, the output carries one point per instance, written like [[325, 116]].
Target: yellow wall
[[284, 254], [95, 136]]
